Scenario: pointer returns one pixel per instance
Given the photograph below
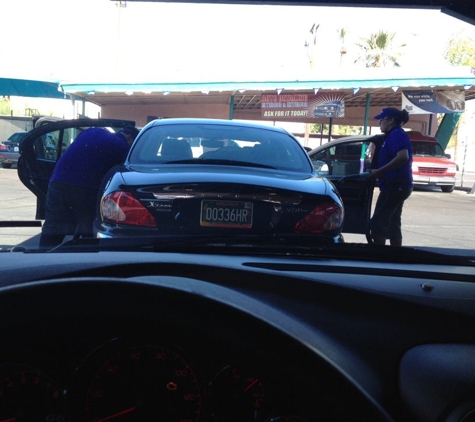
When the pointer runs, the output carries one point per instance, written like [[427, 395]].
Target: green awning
[[30, 88]]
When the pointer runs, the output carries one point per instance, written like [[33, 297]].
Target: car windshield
[[237, 211], [427, 149], [286, 147]]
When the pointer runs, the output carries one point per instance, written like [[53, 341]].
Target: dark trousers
[[386, 220], [69, 210]]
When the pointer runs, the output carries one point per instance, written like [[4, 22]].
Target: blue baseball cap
[[388, 112]]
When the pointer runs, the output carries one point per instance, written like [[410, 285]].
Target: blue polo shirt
[[89, 158], [400, 178]]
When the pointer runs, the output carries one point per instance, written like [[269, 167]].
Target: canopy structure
[[364, 89], [30, 88], [173, 95], [385, 90], [385, 83]]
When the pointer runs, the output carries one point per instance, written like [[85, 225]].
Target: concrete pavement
[[430, 218]]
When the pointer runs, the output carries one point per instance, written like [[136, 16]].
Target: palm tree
[[379, 50], [311, 44], [342, 35]]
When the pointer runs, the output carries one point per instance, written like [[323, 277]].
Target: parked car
[[10, 149], [250, 179], [431, 166]]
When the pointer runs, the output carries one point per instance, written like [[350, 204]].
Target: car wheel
[[448, 188], [6, 165]]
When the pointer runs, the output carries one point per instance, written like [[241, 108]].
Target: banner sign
[[428, 101], [295, 106]]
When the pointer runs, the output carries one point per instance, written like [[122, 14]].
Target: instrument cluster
[[132, 379]]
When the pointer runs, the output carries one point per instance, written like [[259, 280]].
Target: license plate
[[232, 214], [16, 149]]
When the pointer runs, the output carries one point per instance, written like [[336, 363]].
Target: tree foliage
[[4, 106], [336, 129], [348, 130], [379, 50], [319, 128], [460, 50]]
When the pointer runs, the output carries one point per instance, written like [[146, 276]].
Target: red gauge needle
[[250, 385], [8, 420], [116, 415]]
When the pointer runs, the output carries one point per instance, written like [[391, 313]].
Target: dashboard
[[125, 336]]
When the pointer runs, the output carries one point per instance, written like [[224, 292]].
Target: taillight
[[123, 208], [325, 217], [3, 147]]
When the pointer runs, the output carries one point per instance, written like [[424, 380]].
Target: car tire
[[448, 188], [6, 165]]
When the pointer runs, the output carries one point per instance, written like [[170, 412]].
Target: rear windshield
[[427, 149], [17, 137], [203, 143]]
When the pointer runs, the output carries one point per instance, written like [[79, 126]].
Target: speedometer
[[144, 382]]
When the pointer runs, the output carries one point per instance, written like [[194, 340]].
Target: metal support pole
[[231, 107], [366, 113]]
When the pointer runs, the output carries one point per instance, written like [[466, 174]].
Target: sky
[[95, 40]]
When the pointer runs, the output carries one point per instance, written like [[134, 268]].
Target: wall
[[10, 125], [353, 116], [141, 114]]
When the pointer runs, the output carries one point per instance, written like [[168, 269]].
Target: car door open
[[344, 162], [42, 147]]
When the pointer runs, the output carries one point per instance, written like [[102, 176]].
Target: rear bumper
[[9, 157]]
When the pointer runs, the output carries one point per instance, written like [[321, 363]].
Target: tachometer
[[28, 394], [144, 382]]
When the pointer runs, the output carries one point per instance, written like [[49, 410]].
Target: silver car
[[10, 149]]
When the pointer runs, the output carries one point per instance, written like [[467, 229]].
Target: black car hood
[[141, 175]]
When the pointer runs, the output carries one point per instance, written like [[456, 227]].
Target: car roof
[[16, 137], [232, 123], [20, 132], [414, 135]]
